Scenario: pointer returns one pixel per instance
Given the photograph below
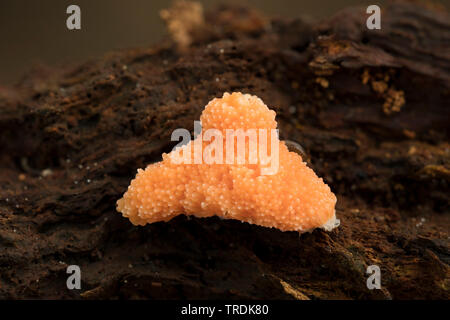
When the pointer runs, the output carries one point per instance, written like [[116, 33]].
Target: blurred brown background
[[34, 31]]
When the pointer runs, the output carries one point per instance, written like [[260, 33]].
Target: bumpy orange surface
[[292, 199]]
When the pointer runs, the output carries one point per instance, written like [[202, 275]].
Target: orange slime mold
[[292, 199]]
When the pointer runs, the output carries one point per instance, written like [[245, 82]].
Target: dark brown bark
[[370, 107]]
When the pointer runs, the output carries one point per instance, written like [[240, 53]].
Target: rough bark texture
[[369, 106]]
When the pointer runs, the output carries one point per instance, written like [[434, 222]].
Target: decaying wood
[[370, 107]]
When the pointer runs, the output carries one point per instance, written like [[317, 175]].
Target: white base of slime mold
[[331, 224]]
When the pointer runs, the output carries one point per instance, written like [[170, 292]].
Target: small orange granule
[[292, 199]]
